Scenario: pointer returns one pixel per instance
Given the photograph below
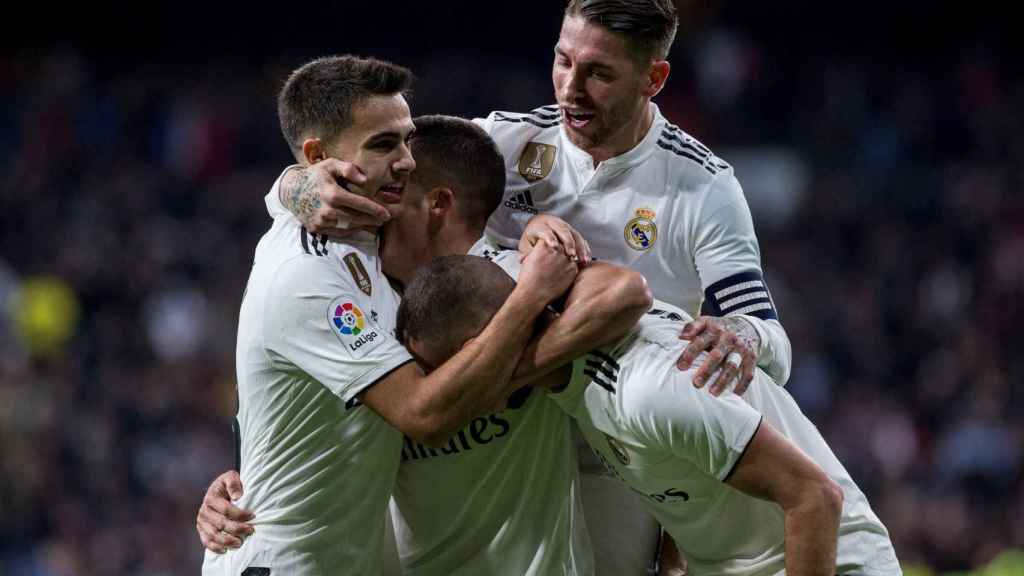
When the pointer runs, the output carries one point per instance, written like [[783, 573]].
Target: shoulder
[[693, 166], [510, 128], [313, 264]]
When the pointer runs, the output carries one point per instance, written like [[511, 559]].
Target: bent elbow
[[634, 293], [833, 497]]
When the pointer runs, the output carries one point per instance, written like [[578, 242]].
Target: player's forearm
[[812, 531], [297, 192], [604, 304], [478, 377], [776, 353]]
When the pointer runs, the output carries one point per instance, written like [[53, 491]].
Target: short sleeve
[[318, 322], [709, 432], [273, 198]]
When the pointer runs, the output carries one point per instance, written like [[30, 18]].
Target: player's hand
[[327, 198], [547, 272], [221, 524], [732, 345], [552, 230]]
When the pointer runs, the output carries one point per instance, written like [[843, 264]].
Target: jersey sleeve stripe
[[743, 293], [668, 146], [602, 368], [528, 120], [605, 357], [596, 379], [304, 238]]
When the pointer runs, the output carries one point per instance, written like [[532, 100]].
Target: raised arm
[[604, 303], [773, 469], [430, 408], [327, 199]]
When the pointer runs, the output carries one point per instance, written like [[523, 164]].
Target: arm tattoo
[[744, 332], [299, 195]]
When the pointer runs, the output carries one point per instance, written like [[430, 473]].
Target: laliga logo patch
[[348, 318], [641, 232], [621, 454], [536, 160], [351, 326]]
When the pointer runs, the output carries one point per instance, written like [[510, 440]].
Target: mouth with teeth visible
[[577, 119], [392, 193]]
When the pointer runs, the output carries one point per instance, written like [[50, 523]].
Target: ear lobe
[[313, 150]]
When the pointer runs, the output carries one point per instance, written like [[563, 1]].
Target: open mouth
[[391, 194], [577, 119]]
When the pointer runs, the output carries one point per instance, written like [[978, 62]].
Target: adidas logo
[[523, 202]]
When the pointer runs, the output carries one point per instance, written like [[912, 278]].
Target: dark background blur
[[880, 148]]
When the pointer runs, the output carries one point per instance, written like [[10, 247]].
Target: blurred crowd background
[[881, 151]]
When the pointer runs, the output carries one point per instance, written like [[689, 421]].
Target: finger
[[567, 240], [746, 372], [226, 509], [352, 218], [340, 198], [208, 537], [713, 361], [693, 328], [726, 376], [582, 247], [342, 170], [700, 343], [233, 484]]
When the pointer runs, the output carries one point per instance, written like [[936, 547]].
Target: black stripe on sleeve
[[596, 379], [727, 296], [607, 358], [602, 368], [744, 453], [304, 237], [356, 400]]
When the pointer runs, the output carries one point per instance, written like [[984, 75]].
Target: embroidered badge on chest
[[641, 232], [536, 160]]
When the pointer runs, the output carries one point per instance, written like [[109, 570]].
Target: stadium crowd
[[887, 206]]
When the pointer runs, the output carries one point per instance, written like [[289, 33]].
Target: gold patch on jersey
[[641, 232], [358, 272], [536, 160], [618, 449]]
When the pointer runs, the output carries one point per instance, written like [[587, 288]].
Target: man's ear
[[442, 201], [657, 75], [313, 150]]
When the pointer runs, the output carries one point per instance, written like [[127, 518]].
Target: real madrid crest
[[536, 160], [641, 232], [618, 449]]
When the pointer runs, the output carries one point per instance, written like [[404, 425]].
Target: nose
[[570, 85], [405, 162]]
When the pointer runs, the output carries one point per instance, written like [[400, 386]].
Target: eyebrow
[[388, 134]]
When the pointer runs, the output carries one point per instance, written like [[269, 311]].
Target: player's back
[[675, 445], [501, 497], [317, 465]]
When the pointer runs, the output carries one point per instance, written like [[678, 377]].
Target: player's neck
[[625, 139]]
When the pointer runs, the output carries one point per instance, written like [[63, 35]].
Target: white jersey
[[675, 445], [315, 330], [668, 208], [501, 498]]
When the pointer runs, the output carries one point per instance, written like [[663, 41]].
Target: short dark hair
[[457, 153], [649, 26], [450, 300], [318, 97]]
